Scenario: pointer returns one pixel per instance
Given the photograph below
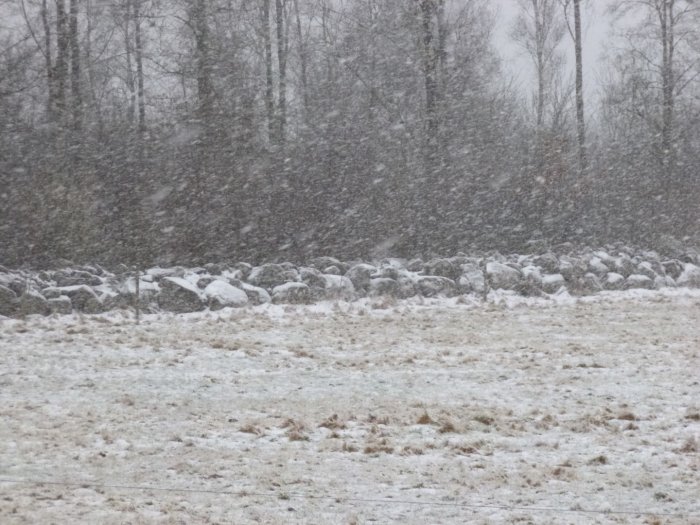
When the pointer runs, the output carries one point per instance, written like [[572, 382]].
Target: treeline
[[190, 131]]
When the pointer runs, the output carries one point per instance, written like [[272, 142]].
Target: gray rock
[[83, 298], [531, 283], [501, 276], [442, 268], [338, 287], [270, 276], [415, 265], [635, 281], [33, 303], [673, 268], [614, 281], [8, 301], [472, 279], [383, 286], [291, 293], [256, 295], [434, 285], [645, 268], [203, 282], [664, 281], [60, 305], [407, 288], [690, 277], [312, 277], [624, 266], [244, 268], [597, 267], [180, 296], [213, 269], [332, 270], [589, 284], [321, 263], [360, 275], [221, 294], [548, 262], [65, 278], [552, 283]]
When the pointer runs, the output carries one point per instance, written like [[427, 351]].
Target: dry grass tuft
[[627, 416], [484, 419], [447, 427], [251, 429], [598, 460], [425, 419], [333, 423], [689, 447]]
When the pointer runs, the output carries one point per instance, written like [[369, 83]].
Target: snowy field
[[451, 411]]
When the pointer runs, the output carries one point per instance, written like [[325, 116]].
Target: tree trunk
[[282, 39], [269, 81], [303, 60], [430, 73], [139, 70], [581, 125], [51, 102], [76, 88], [61, 72]]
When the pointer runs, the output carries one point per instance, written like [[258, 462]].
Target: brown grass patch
[[425, 419], [333, 423]]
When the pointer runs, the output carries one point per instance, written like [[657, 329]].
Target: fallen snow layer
[[441, 411]]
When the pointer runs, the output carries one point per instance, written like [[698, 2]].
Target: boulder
[[673, 268], [597, 267], [332, 270], [407, 288], [552, 283], [624, 266], [60, 305], [33, 303], [572, 268], [221, 294], [256, 295], [664, 281], [338, 287], [589, 284], [312, 277], [433, 285], [501, 276], [8, 301], [531, 284], [636, 281], [83, 298], [291, 293], [214, 269], [360, 275], [548, 262], [383, 286], [180, 296], [690, 277], [270, 276], [321, 263], [472, 279], [646, 268], [614, 281], [415, 265], [442, 268], [65, 278]]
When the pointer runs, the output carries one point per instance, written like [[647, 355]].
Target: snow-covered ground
[[425, 411]]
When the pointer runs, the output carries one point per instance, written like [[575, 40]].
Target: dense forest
[[192, 131]]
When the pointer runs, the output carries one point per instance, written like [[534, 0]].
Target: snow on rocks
[[221, 294], [556, 271], [180, 296], [690, 277], [291, 293], [502, 276]]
